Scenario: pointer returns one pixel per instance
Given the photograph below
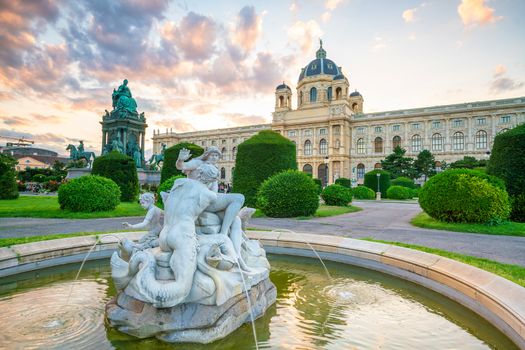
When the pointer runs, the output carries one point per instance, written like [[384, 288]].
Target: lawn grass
[[507, 229], [322, 212], [48, 207], [514, 273]]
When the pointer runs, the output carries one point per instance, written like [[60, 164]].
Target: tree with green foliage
[[8, 186], [403, 181], [261, 156], [121, 169], [398, 165], [171, 155], [507, 161], [468, 162], [425, 164], [384, 181]]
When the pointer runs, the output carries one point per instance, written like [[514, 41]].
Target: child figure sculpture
[[152, 222]]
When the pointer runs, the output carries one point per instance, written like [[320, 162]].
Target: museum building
[[334, 138]]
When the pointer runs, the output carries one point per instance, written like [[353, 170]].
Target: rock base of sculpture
[[189, 322]]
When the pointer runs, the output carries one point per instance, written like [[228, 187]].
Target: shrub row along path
[[383, 220]]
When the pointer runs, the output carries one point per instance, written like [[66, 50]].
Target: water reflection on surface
[[356, 309]]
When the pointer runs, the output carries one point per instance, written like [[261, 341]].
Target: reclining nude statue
[[196, 267]]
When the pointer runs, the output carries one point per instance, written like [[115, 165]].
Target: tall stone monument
[[123, 129]]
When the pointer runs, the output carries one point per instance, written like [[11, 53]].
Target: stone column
[[125, 140]]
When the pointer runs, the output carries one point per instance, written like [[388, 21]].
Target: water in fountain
[[250, 307]]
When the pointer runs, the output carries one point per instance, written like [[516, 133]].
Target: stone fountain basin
[[496, 299]]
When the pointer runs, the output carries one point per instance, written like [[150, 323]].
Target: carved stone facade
[[334, 138]]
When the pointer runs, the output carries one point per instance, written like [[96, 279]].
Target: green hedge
[[319, 184], [8, 185], [171, 155], [363, 192], [337, 195], [403, 181], [399, 192], [290, 193], [343, 181], [463, 195], [384, 181], [121, 169], [89, 193], [507, 161], [261, 156], [166, 187]]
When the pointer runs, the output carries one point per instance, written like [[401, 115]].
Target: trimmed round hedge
[[169, 166], [89, 193], [261, 156], [166, 187], [399, 192], [363, 192], [290, 193], [507, 161], [384, 181], [403, 181], [337, 195], [121, 169], [8, 185], [319, 185], [343, 181], [463, 195]]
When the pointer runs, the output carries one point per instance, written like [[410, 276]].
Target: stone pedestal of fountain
[[194, 284]]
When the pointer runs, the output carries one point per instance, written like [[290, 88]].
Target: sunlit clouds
[[474, 12]]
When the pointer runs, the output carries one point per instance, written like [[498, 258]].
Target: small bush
[[89, 193], [337, 195], [319, 185], [169, 167], [40, 178], [463, 195], [290, 193], [384, 181], [343, 182], [415, 192], [403, 181], [166, 187], [363, 192], [121, 169], [8, 186], [399, 192]]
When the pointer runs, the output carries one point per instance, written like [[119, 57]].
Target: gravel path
[[379, 220]]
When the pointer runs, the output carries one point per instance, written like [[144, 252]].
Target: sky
[[197, 65]]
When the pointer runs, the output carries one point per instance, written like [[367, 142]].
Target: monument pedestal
[[150, 177], [73, 173]]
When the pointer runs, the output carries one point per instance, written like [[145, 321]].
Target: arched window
[[360, 171], [378, 145], [481, 139], [307, 168], [361, 146], [307, 148], [458, 141], [224, 152], [338, 93], [437, 142], [323, 147], [417, 143], [223, 173], [396, 142], [234, 152], [503, 130], [354, 107], [313, 94], [281, 101], [329, 94], [377, 166]]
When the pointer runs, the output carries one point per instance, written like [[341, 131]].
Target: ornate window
[[313, 94], [323, 147], [307, 132], [361, 146], [417, 143], [436, 124], [223, 173], [505, 119], [378, 145], [360, 171], [307, 168], [223, 151], [234, 152], [281, 101], [307, 148], [337, 143], [378, 129], [292, 133], [396, 127], [338, 93], [396, 141], [329, 94], [481, 139], [458, 141], [323, 131], [458, 123], [437, 142], [481, 121]]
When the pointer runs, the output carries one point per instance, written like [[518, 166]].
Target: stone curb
[[498, 300]]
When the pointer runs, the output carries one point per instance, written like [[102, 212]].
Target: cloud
[[474, 12], [379, 43], [55, 142], [499, 70], [195, 36], [248, 29], [332, 4], [500, 83], [304, 34], [293, 7], [408, 15], [15, 121], [240, 119], [176, 123], [326, 16]]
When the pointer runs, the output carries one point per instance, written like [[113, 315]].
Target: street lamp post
[[326, 160], [378, 193]]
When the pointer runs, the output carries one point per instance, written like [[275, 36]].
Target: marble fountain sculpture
[[190, 280]]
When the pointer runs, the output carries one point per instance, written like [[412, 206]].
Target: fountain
[[198, 278]]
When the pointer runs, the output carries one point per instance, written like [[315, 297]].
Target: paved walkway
[[379, 220]]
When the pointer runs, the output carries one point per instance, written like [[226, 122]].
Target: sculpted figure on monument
[[122, 99], [117, 145]]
